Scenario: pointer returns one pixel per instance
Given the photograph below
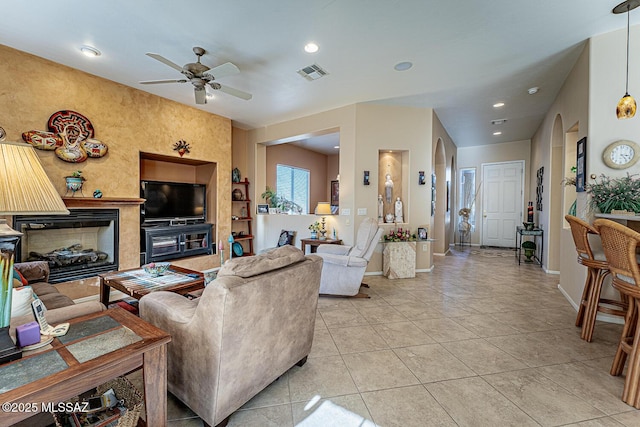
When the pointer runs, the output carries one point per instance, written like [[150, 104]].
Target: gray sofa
[[249, 326]]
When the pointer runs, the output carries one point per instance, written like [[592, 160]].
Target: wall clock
[[621, 154]]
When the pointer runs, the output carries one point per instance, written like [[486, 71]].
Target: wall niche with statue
[[393, 173]]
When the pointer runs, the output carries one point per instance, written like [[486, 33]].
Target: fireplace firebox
[[82, 244]]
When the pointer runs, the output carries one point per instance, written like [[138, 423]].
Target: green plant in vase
[[529, 250], [315, 229], [608, 194], [270, 197], [74, 182]]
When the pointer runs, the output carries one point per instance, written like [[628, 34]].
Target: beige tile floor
[[480, 341]]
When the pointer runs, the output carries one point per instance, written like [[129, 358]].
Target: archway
[[556, 197], [439, 220]]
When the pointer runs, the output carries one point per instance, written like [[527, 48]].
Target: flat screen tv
[[167, 201]]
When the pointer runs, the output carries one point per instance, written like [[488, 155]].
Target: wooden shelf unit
[[241, 209]]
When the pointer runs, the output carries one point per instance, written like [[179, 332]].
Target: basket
[[124, 390]]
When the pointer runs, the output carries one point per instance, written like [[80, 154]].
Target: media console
[[163, 243]]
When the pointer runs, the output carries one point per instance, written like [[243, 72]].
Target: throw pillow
[[286, 238], [21, 301], [18, 276]]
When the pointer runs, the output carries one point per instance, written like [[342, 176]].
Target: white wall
[[364, 130], [588, 100], [474, 157]]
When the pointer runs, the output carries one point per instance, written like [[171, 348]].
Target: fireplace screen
[[82, 244]]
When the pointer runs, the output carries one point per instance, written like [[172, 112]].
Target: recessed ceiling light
[[498, 105], [311, 47], [497, 133], [90, 51], [403, 66], [533, 90], [336, 146]]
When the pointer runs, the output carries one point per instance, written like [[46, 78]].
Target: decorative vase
[[314, 234], [528, 253], [464, 225], [74, 184]]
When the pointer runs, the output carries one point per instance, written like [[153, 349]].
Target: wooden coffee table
[[314, 243], [97, 348], [137, 283]]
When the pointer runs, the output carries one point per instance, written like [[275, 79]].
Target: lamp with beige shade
[[25, 189], [324, 209]]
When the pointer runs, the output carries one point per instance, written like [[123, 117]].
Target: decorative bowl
[[156, 268]]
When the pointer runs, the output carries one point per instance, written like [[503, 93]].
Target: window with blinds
[[293, 184]]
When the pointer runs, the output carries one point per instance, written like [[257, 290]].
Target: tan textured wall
[[315, 163], [127, 120]]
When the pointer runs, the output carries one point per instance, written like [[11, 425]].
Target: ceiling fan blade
[[164, 61], [154, 82], [234, 92], [201, 95], [226, 69]]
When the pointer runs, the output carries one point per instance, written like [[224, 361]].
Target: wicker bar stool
[[620, 246], [597, 269]]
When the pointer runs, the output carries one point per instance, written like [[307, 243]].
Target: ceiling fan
[[199, 75]]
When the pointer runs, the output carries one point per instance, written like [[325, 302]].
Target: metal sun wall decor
[[69, 135], [182, 147], [539, 188]]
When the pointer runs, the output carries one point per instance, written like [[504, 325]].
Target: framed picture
[[335, 193], [448, 200], [539, 188], [263, 209], [422, 233], [581, 165]]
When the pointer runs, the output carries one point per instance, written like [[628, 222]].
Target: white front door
[[502, 202]]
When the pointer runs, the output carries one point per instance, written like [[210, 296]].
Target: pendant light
[[626, 107]]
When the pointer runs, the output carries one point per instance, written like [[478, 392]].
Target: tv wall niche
[[176, 170]]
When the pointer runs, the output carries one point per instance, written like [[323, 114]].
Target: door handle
[[484, 214]]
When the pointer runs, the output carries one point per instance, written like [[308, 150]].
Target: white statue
[[380, 209], [388, 188], [399, 211]]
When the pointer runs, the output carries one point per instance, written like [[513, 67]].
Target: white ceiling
[[467, 54]]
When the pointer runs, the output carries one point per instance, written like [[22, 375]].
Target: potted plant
[[610, 194], [270, 197], [315, 228], [529, 250], [74, 182]]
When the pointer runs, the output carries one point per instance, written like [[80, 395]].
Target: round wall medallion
[[621, 154]]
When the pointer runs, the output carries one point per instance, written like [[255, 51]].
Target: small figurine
[[398, 211]]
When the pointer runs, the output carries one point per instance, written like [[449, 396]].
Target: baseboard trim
[[424, 270], [603, 317], [373, 273]]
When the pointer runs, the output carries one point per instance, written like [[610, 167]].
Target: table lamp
[[323, 208], [25, 189]]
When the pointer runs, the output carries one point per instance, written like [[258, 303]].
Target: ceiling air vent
[[498, 121], [312, 72]]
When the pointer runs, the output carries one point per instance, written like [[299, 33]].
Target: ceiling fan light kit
[[626, 107], [200, 75]]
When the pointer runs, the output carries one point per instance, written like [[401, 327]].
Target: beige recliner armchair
[[250, 325], [344, 266]]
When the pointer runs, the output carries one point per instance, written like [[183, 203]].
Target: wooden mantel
[[102, 202]]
